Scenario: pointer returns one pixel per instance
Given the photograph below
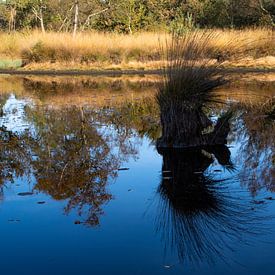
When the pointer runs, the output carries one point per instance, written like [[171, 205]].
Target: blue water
[[134, 233]]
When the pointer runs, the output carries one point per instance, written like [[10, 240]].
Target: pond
[[84, 190]]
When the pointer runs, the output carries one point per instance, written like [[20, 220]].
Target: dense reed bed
[[110, 48]]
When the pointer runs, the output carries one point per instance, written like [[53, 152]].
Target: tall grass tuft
[[189, 82], [190, 75]]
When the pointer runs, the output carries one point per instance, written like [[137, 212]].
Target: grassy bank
[[116, 51]]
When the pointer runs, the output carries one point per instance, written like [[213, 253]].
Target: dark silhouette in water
[[198, 216], [186, 128]]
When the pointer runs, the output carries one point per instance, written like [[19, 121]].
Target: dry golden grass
[[92, 46], [257, 41], [58, 50]]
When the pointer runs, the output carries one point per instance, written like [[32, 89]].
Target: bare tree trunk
[[87, 22], [41, 18], [39, 15], [232, 21], [76, 17], [65, 21], [12, 18], [265, 11], [130, 25]]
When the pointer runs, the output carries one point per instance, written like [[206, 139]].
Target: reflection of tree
[[198, 217], [73, 161], [135, 117], [72, 152], [13, 157], [255, 131], [69, 155]]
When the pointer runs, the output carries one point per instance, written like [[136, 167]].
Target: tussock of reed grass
[[188, 86], [189, 77], [110, 48]]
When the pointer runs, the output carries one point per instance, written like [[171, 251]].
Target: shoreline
[[94, 72]]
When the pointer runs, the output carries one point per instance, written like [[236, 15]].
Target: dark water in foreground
[[85, 191]]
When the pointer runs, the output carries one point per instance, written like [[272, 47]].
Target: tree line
[[129, 16]]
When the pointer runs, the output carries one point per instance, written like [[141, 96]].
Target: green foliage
[[10, 64], [182, 24], [130, 16]]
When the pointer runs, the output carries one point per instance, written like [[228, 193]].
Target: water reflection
[[199, 216], [70, 140], [73, 160], [69, 148], [254, 133], [69, 155]]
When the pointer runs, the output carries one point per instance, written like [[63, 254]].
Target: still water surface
[[85, 191]]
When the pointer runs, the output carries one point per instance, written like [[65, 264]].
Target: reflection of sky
[[14, 118]]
